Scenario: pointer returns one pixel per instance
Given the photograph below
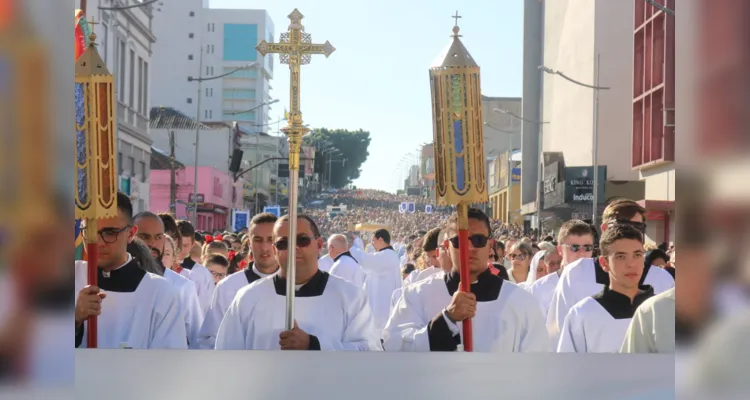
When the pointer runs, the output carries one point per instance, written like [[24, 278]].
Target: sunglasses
[[302, 242], [575, 248], [519, 257], [478, 241]]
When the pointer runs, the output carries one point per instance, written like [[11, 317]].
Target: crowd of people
[[391, 285]]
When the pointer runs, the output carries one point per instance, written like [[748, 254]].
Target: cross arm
[[325, 48], [278, 48]]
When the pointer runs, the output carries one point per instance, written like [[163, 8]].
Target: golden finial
[[92, 35], [455, 26]]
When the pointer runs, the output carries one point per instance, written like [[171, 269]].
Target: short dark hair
[[125, 205], [408, 268], [170, 227], [431, 240], [383, 233], [499, 245], [199, 238], [146, 214], [186, 229], [217, 259], [475, 214], [622, 210], [574, 227], [313, 225], [655, 255], [618, 232], [263, 218]]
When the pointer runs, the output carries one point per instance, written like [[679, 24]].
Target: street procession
[[410, 211]]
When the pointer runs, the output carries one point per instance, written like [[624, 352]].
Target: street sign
[[240, 219], [275, 210]]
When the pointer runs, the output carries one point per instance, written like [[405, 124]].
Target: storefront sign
[[516, 175], [579, 184], [554, 190]]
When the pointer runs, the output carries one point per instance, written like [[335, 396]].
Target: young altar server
[[586, 277], [264, 264], [598, 323], [199, 274], [575, 240], [505, 317], [331, 313], [135, 309], [345, 266]]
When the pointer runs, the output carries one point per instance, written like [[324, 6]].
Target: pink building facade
[[217, 196]]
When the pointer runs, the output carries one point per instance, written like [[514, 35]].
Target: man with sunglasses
[[383, 275], [586, 277], [330, 313], [575, 241], [135, 309], [429, 313], [264, 264]]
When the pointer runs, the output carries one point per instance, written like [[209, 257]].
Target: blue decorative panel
[[240, 41], [81, 148], [458, 143]]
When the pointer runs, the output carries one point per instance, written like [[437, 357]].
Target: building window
[[212, 49], [210, 114], [190, 57], [212, 71], [213, 27], [131, 164], [190, 100], [205, 114], [121, 73], [192, 13], [207, 70], [206, 92], [119, 164], [140, 84], [211, 90], [131, 93], [143, 171], [144, 89], [191, 35], [208, 27]]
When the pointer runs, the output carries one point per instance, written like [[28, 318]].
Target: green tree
[[352, 147]]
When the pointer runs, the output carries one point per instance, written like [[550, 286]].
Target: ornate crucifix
[[296, 49]]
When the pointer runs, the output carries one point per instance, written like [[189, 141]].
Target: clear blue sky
[[377, 80]]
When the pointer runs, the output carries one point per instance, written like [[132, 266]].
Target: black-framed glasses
[[220, 275], [575, 248], [478, 241], [519, 257], [110, 235], [302, 242], [641, 226]]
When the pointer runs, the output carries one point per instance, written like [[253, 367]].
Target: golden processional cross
[[296, 49]]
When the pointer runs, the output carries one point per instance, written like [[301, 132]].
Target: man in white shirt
[[586, 277], [200, 275], [135, 309], [383, 272], [345, 266], [264, 264], [151, 232]]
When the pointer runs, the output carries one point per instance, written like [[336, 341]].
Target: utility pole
[[172, 176], [197, 139]]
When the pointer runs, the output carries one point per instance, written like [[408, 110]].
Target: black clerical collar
[[486, 288], [123, 280], [188, 263], [314, 287], [602, 276], [386, 248], [619, 305], [250, 274], [346, 253]]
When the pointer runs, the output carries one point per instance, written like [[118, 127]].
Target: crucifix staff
[[295, 48]]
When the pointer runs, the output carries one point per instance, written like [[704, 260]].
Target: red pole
[[463, 253], [92, 256]]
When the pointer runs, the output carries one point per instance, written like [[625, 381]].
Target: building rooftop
[[160, 160], [169, 118]]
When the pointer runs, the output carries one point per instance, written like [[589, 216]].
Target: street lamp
[[595, 146], [200, 80]]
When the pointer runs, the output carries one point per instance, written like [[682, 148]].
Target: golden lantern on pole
[[95, 168], [459, 144]]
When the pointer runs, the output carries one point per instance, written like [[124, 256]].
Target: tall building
[[502, 142], [653, 139], [577, 34], [126, 44], [198, 41]]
